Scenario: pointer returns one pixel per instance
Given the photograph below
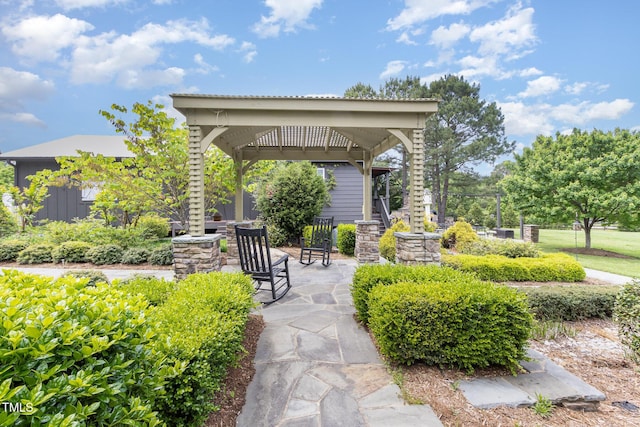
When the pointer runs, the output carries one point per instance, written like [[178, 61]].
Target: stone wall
[[417, 248], [367, 241], [193, 254], [233, 256], [531, 233]]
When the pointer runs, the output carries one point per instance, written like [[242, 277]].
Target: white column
[[367, 187], [416, 203], [196, 183]]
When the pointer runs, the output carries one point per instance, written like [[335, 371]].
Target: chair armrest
[[282, 259]]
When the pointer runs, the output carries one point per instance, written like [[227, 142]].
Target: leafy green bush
[[571, 302], [9, 249], [155, 290], [496, 268], [367, 276], [505, 247], [135, 256], [289, 198], [387, 243], [458, 235], [277, 236], [71, 251], [105, 254], [8, 223], [429, 227], [627, 316], [37, 253], [461, 323], [78, 355], [153, 227], [346, 239], [94, 276], [205, 318], [93, 231], [162, 255]]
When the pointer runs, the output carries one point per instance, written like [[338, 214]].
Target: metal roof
[[109, 146]]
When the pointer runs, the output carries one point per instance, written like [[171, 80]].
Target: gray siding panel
[[346, 197]]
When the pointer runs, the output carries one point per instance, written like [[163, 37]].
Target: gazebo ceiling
[[300, 128]]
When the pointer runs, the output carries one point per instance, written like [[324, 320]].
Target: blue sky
[[550, 65]]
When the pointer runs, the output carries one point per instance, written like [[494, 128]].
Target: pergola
[[252, 128]]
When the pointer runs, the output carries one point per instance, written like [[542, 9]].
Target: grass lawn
[[624, 243]]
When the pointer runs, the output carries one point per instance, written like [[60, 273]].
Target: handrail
[[381, 207]]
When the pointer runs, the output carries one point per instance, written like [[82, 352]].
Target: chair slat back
[[253, 248], [322, 229]]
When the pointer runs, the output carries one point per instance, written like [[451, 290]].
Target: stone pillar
[[196, 254], [367, 241], [233, 256], [417, 248], [531, 233]]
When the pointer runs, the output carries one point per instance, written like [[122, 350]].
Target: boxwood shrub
[[205, 318], [627, 315], [155, 290], [496, 268], [71, 251], [506, 247], [77, 354], [37, 253], [162, 255], [135, 256], [105, 254], [94, 276], [368, 276], [9, 249], [346, 239], [460, 323], [574, 302]]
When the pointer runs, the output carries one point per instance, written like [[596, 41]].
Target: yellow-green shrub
[[346, 239], [571, 302], [387, 243], [458, 235], [627, 316], [460, 323]]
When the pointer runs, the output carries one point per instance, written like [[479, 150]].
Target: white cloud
[[576, 88], [168, 109], [544, 85], [249, 51], [81, 4], [444, 37], [528, 72], [286, 15], [142, 79], [418, 11], [41, 38], [405, 38], [24, 118], [203, 66], [18, 85], [393, 68], [509, 36]]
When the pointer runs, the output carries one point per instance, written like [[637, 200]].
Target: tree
[[290, 197], [466, 131], [6, 176], [28, 200], [589, 177]]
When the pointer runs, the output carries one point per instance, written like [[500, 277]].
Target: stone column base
[[417, 248], [199, 254], [233, 255], [531, 233], [367, 242]]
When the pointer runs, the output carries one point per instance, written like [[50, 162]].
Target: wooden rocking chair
[[255, 261], [320, 242]]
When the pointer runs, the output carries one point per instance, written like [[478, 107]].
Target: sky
[[550, 66]]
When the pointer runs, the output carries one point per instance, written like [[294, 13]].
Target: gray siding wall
[[63, 204], [346, 197]]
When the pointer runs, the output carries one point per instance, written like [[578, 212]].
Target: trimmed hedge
[[460, 323], [496, 268], [205, 318], [627, 315], [155, 290], [458, 235], [135, 256], [506, 247], [367, 276], [36, 254], [71, 251], [571, 302], [93, 276], [346, 239], [77, 354], [162, 255], [9, 249], [105, 254]]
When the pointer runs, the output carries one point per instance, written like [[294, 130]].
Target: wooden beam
[[206, 141]]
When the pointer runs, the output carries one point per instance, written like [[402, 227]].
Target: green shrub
[[346, 239], [496, 268], [429, 227], [458, 235], [153, 227], [93, 231], [155, 290], [571, 302], [627, 316], [459, 323], [277, 236], [78, 355], [135, 256], [8, 223], [162, 255], [105, 254], [505, 247], [37, 253], [9, 249], [387, 243], [367, 276], [71, 251], [94, 276], [205, 318], [223, 245]]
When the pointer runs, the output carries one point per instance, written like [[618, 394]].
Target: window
[[321, 172], [89, 193]]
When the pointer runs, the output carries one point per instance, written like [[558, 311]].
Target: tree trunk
[[442, 203], [587, 233]]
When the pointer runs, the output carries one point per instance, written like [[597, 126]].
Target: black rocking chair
[[320, 242], [255, 260]]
